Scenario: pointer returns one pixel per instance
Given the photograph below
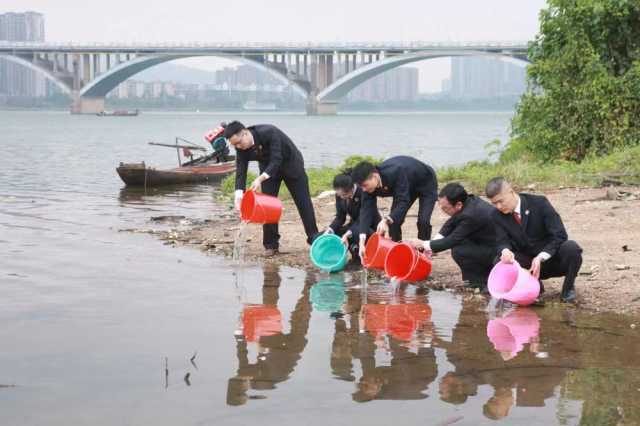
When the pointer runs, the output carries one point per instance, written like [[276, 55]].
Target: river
[[104, 327]]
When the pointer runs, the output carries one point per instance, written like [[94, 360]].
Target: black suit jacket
[[541, 228], [405, 179], [473, 224], [275, 153], [351, 208]]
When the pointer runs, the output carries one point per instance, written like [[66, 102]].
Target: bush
[[584, 81]]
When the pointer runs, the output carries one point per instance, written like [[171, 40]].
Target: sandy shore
[[603, 221]]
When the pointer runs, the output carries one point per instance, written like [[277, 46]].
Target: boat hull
[[138, 174]]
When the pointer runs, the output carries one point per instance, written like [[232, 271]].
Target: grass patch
[[622, 165]]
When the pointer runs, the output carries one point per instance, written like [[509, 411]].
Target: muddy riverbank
[[601, 220]]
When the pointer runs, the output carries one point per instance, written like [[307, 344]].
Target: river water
[[104, 327]]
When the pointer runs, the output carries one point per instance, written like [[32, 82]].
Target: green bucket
[[328, 253]]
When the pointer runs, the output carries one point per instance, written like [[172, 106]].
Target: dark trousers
[[299, 189], [475, 261], [565, 263], [354, 239], [426, 203]]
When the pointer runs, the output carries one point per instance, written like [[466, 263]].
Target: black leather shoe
[[538, 302], [569, 296]]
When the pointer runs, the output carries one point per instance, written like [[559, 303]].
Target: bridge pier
[[322, 108], [82, 105]]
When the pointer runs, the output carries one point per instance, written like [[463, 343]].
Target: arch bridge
[[323, 73]]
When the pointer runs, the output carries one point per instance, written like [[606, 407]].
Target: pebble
[[633, 326]]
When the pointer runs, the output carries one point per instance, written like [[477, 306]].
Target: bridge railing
[[282, 46]]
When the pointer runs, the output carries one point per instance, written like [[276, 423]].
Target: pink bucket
[[511, 332], [511, 282]]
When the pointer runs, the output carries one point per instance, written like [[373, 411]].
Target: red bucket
[[376, 250], [260, 208], [405, 263], [259, 321]]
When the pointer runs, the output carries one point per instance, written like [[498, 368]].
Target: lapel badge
[[526, 212]]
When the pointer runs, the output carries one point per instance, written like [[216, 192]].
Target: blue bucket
[[328, 253]]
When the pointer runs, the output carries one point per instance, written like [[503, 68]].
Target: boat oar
[[196, 148]]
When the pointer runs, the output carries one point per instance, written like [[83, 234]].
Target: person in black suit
[[348, 203], [469, 233], [406, 180], [278, 160], [530, 231]]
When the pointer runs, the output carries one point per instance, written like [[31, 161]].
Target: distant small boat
[[139, 174], [255, 106], [119, 113]]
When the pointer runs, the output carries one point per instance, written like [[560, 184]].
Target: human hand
[[361, 249], [257, 182], [383, 227], [507, 256], [535, 267], [415, 243]]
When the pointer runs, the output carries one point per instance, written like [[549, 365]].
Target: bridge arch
[[42, 71], [104, 83], [339, 88]]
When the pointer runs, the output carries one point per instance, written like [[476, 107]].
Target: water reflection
[[510, 332], [388, 344], [278, 352]]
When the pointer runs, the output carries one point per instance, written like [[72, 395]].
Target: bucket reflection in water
[[511, 332], [260, 321], [400, 321], [328, 295]]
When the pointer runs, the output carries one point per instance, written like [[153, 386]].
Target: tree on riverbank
[[584, 81]]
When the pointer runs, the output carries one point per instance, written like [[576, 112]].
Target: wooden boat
[[138, 174]]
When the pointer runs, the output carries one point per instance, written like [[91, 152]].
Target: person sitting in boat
[[219, 144], [278, 160], [348, 202]]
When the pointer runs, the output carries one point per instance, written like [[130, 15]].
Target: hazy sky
[[289, 20]]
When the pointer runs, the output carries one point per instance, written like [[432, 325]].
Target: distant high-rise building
[[17, 80], [398, 84], [481, 77]]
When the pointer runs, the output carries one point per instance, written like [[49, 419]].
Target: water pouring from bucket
[[509, 281]]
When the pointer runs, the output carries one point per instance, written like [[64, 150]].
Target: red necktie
[[517, 217]]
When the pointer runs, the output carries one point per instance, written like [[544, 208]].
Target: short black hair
[[342, 181], [232, 129], [362, 171], [494, 186], [454, 193]]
